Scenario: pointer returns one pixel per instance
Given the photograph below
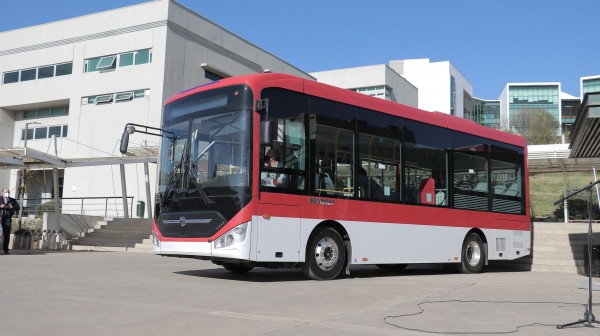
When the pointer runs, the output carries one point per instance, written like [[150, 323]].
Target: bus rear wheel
[[325, 255], [473, 254]]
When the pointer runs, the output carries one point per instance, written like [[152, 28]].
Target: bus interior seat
[[440, 197], [427, 191], [513, 190], [481, 186], [499, 189]]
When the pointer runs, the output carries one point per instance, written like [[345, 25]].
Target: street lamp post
[[25, 136]]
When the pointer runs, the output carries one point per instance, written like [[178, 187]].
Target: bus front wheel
[[325, 255], [473, 254]]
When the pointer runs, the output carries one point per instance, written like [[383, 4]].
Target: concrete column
[[566, 207], [124, 191], [148, 196]]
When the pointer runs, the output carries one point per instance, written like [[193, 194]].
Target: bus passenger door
[[278, 233]]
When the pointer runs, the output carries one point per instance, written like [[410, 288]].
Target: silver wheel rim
[[473, 254], [326, 253]]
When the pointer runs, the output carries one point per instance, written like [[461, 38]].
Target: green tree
[[539, 127]]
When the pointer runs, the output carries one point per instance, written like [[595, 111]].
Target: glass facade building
[[590, 85], [485, 112], [528, 103], [569, 110]]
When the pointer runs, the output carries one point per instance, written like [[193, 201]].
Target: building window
[[116, 97], [106, 63], [64, 69], [143, 56], [46, 112], [528, 105], [383, 92], [46, 71], [122, 96], [110, 62], [126, 59], [11, 77], [45, 132], [590, 85], [27, 75]]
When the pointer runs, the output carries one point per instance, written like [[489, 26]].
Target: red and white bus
[[271, 170]]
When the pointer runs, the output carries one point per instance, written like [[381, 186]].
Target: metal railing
[[92, 206]]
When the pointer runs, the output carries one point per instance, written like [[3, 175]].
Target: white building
[[441, 86], [375, 80], [430, 86], [83, 79]]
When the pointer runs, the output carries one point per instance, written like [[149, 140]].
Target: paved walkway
[[112, 293]]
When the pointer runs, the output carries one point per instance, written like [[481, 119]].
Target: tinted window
[[41, 133], [327, 110], [142, 56], [64, 69], [11, 77], [46, 72], [54, 130], [126, 59], [27, 75]]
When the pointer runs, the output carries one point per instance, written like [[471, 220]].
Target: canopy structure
[[586, 130], [558, 159], [29, 158]]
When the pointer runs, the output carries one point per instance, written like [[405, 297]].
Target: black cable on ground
[[516, 329]]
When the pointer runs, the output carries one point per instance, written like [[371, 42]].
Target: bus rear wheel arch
[[325, 254]]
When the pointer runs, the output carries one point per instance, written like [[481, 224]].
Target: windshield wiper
[[191, 170], [172, 180]]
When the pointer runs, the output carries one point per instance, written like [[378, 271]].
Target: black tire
[[325, 255], [392, 267], [472, 254], [237, 267]]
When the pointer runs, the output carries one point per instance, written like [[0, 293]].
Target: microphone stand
[[588, 316]]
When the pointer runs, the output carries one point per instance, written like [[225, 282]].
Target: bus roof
[[258, 82]]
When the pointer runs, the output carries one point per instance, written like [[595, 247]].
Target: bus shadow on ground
[[358, 272]]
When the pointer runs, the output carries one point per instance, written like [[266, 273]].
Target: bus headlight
[[155, 240], [235, 235]]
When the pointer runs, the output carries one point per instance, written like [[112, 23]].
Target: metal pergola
[[29, 158]]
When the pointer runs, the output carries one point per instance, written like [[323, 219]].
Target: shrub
[[45, 207], [578, 209]]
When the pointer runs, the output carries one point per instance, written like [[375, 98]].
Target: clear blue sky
[[490, 42]]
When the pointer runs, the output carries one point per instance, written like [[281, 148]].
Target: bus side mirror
[[266, 133], [125, 138], [124, 142]]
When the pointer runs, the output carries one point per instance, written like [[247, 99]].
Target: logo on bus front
[[320, 201]]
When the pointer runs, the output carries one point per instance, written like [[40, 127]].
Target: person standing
[[7, 206]]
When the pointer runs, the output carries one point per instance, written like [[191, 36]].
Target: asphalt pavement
[[118, 293]]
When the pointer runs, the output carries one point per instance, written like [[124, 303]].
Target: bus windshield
[[208, 163]]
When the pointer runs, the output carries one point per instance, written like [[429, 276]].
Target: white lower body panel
[[284, 239]]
